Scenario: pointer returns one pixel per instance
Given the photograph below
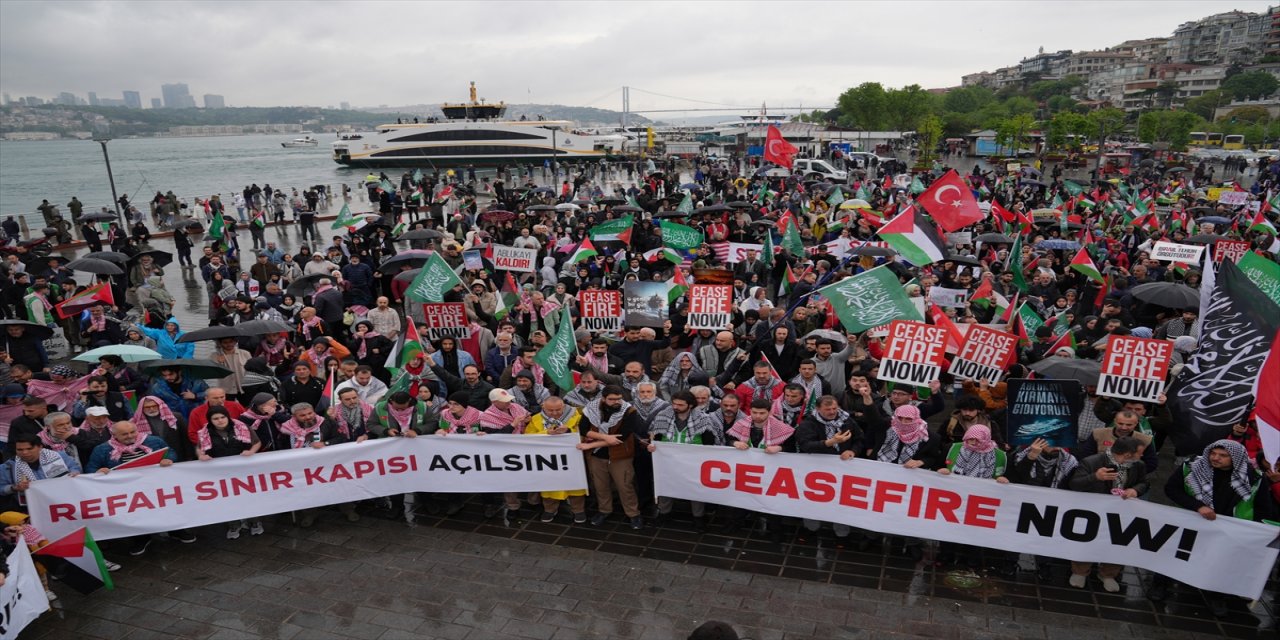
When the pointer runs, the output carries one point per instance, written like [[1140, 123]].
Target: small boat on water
[[304, 141]]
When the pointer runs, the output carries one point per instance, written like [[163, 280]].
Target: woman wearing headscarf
[[676, 376], [260, 417], [908, 443], [977, 456], [155, 298], [224, 437], [370, 348]]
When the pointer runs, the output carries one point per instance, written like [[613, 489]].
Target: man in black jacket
[[477, 390], [328, 305], [302, 387], [829, 430]]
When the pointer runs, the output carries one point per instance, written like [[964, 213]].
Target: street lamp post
[[115, 198]]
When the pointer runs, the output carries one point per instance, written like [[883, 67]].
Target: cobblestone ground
[[467, 577]]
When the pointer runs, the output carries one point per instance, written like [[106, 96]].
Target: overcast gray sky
[[578, 53]]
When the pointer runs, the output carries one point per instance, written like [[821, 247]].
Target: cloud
[[371, 53]]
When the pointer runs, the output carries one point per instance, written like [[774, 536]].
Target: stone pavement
[[465, 577]]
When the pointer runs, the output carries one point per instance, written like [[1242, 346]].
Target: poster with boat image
[[645, 303], [1046, 409]]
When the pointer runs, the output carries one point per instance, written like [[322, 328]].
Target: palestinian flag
[[1084, 264], [91, 297], [664, 253], [1267, 411], [84, 569], [259, 218], [984, 296], [508, 298], [1067, 339], [678, 286], [327, 394], [149, 460], [613, 230], [408, 346], [1261, 223], [584, 251], [130, 400], [344, 219], [913, 236], [788, 283]]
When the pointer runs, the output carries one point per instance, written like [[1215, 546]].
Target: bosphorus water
[[59, 169]]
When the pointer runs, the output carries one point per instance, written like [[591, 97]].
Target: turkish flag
[[951, 203], [776, 148]]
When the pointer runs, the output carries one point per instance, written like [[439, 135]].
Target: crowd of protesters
[[784, 377]]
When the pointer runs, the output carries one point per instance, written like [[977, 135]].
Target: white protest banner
[[513, 259], [442, 319], [1229, 249], [960, 238], [738, 251], [914, 353], [22, 596], [1134, 368], [1233, 198], [191, 494], [984, 354], [1188, 253], [944, 297], [600, 309], [1228, 555], [710, 307]]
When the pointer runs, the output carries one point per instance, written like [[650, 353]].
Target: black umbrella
[[994, 238], [262, 327], [414, 258], [1175, 169], [671, 214], [1034, 183], [965, 260], [741, 204], [109, 256], [407, 276], [210, 333], [420, 234], [612, 200], [582, 203], [189, 223], [1074, 226], [1167, 294], [94, 265], [100, 216], [201, 369], [160, 258], [540, 207], [1059, 368], [873, 251], [1205, 238], [626, 208], [305, 286], [38, 330], [715, 208], [40, 266]]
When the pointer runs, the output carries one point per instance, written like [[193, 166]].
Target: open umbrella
[[965, 260], [202, 369], [670, 214], [217, 332], [715, 208], [1167, 294], [873, 251], [1216, 220], [262, 327], [1058, 245], [413, 258], [827, 334], [126, 352], [582, 203], [691, 186], [543, 190], [540, 207], [1045, 212], [1058, 368], [567, 206], [1034, 183], [99, 216], [1205, 238], [407, 276], [856, 203], [994, 238], [626, 208], [611, 200], [189, 223], [38, 330], [420, 234], [160, 258], [94, 265], [741, 204], [1175, 169], [109, 256], [304, 286], [1075, 226]]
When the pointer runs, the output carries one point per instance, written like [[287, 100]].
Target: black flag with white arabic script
[[1215, 388]]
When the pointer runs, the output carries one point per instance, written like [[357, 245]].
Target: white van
[[821, 169]]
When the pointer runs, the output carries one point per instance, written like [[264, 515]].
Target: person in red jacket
[[199, 417], [1245, 431], [761, 385]]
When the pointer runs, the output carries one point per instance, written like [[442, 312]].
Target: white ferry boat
[[305, 141], [474, 133]]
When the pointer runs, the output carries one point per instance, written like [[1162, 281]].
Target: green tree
[[1067, 123], [1060, 103], [967, 99], [1170, 126], [1251, 85], [1205, 104], [906, 106], [1248, 115], [864, 107], [928, 132], [1012, 132]]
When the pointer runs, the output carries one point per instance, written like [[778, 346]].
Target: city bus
[[1204, 139], [1233, 141]]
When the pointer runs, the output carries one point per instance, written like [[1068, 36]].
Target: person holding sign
[[1116, 471], [830, 430], [122, 447], [1219, 483]]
